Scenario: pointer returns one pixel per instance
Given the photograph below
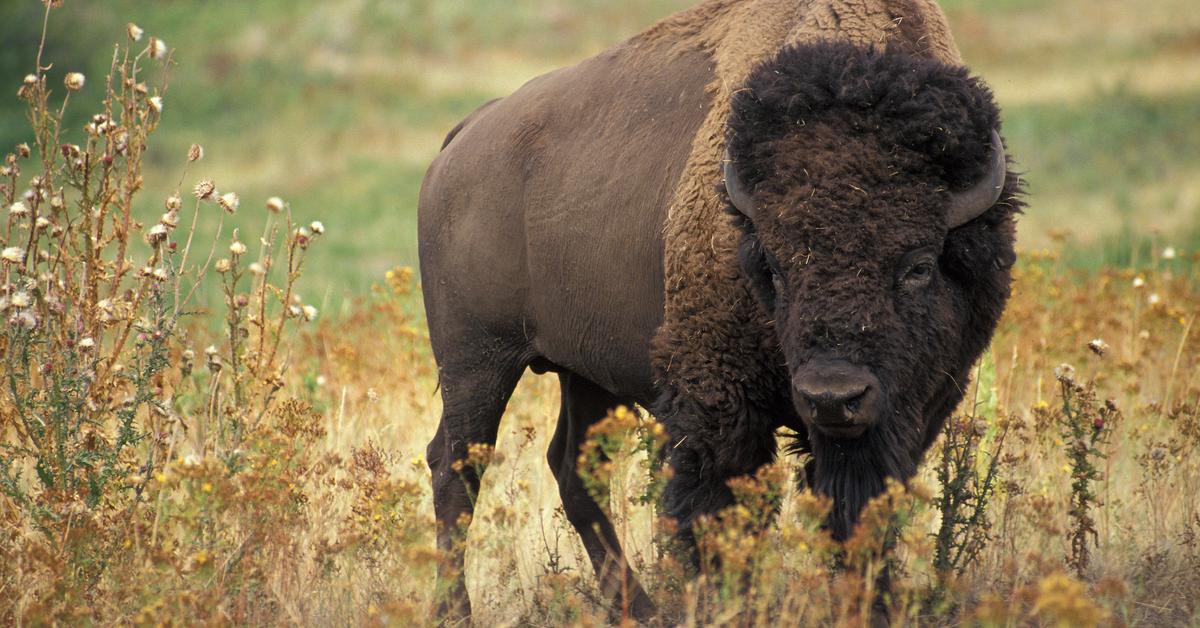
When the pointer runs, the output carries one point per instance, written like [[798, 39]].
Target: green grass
[[339, 106]]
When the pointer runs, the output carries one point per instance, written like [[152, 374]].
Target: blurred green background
[[338, 106]]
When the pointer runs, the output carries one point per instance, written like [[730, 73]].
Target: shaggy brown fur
[[849, 150], [715, 340]]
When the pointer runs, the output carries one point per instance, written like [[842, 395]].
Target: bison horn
[[967, 205], [733, 187]]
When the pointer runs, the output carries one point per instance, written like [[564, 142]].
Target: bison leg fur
[[583, 404], [699, 483], [473, 400]]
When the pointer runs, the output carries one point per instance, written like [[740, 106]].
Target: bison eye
[[919, 270]]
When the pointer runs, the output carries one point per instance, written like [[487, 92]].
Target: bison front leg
[[705, 455]]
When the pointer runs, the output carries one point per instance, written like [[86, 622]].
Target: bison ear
[[969, 204], [737, 193]]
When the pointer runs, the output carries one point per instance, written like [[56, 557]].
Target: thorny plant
[[968, 465], [1084, 426], [111, 438]]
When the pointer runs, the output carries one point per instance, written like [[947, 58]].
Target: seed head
[[205, 189], [29, 80], [74, 81], [41, 223], [1098, 346], [317, 228], [24, 320], [174, 203], [275, 204], [237, 249], [223, 265], [309, 312], [22, 150], [1065, 373], [20, 300], [257, 269], [13, 255], [1154, 299], [1139, 282], [156, 104], [195, 153], [157, 48], [1168, 253], [135, 33], [87, 344], [18, 210], [229, 202], [170, 220], [157, 234]]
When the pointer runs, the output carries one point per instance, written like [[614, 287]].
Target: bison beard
[[939, 119]]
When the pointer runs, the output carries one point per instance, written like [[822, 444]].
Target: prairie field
[[218, 414]]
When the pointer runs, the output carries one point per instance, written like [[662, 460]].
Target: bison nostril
[[852, 405]]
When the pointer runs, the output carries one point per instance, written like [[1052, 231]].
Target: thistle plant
[[1084, 427], [100, 395]]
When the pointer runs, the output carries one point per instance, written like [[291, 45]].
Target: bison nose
[[837, 398]]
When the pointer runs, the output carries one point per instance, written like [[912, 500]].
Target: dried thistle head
[[157, 49], [229, 202], [205, 189], [74, 81], [1065, 373], [13, 255], [1098, 346], [195, 153], [134, 32]]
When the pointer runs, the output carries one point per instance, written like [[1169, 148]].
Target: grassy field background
[[339, 106]]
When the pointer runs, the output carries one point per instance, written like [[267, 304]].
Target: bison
[[756, 214]]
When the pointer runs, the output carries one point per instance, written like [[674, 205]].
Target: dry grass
[[257, 486]]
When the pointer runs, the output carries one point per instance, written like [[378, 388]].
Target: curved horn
[[733, 186], [967, 205]]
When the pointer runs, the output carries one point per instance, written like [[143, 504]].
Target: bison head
[[876, 212]]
